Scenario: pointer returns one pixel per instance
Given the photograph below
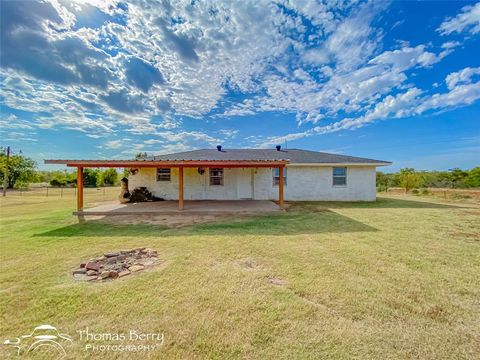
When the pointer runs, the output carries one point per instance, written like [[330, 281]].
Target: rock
[[113, 274], [93, 266], [79, 271], [148, 262], [104, 275], [92, 272], [80, 277], [121, 257], [136, 268], [111, 260], [123, 273], [101, 258], [152, 253], [112, 254], [82, 265], [144, 251]]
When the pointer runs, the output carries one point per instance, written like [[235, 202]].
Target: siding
[[303, 183]]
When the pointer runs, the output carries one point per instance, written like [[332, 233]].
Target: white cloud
[[114, 144], [467, 20], [461, 77]]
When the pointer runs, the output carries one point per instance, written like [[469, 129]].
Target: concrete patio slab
[[190, 207]]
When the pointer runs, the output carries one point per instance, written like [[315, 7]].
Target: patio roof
[[169, 163]]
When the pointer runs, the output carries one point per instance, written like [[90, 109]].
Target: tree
[[385, 181], [409, 179], [21, 169], [458, 176], [90, 177], [109, 177], [473, 178]]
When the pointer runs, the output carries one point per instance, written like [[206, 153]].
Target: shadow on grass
[[289, 223], [381, 203]]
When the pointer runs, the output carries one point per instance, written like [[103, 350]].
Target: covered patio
[[195, 207], [181, 205]]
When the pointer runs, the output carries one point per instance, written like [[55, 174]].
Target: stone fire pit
[[116, 265]]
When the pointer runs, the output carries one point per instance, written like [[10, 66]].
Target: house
[[255, 174], [307, 175]]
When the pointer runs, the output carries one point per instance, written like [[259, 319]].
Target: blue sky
[[397, 81]]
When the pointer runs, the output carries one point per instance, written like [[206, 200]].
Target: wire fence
[[63, 191]]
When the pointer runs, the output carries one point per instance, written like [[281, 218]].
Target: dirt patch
[[248, 264], [171, 221], [277, 281]]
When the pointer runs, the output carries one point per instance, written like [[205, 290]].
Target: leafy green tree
[[409, 179], [458, 177], [385, 181], [473, 178], [21, 169], [90, 177], [110, 176]]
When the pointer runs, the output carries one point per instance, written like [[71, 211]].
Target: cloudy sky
[[396, 81]]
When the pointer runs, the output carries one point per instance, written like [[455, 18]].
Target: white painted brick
[[303, 183]]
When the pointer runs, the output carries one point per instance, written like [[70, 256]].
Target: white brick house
[[308, 175]]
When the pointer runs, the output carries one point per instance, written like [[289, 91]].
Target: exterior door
[[244, 183]]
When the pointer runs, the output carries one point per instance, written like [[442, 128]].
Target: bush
[[425, 192], [58, 182], [415, 191]]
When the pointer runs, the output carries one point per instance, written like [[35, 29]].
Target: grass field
[[395, 279]]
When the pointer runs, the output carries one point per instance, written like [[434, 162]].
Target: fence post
[[47, 191], [61, 191]]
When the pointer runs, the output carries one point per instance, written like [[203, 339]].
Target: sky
[[396, 81]]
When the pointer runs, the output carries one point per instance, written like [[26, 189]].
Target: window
[[216, 176], [276, 176], [163, 174], [339, 176]]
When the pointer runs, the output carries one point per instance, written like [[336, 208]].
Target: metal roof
[[292, 155]]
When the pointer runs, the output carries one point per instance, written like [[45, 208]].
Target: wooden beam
[[180, 188], [169, 163], [79, 188], [280, 187]]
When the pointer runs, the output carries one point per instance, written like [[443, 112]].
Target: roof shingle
[[293, 155]]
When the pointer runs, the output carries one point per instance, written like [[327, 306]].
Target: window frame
[[276, 179], [211, 177], [159, 175], [344, 177]]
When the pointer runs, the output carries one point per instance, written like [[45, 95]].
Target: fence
[[64, 191]]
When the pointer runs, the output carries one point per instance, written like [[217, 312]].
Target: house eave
[[385, 163], [166, 163]]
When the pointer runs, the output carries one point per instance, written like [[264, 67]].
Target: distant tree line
[[22, 171], [91, 177], [410, 178]]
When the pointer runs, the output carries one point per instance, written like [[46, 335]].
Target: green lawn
[[395, 279]]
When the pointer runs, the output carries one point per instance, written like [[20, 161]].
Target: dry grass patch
[[395, 279]]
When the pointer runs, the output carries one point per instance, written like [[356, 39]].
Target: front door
[[244, 183]]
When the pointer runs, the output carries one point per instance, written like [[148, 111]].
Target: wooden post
[[79, 188], [180, 188], [280, 187]]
